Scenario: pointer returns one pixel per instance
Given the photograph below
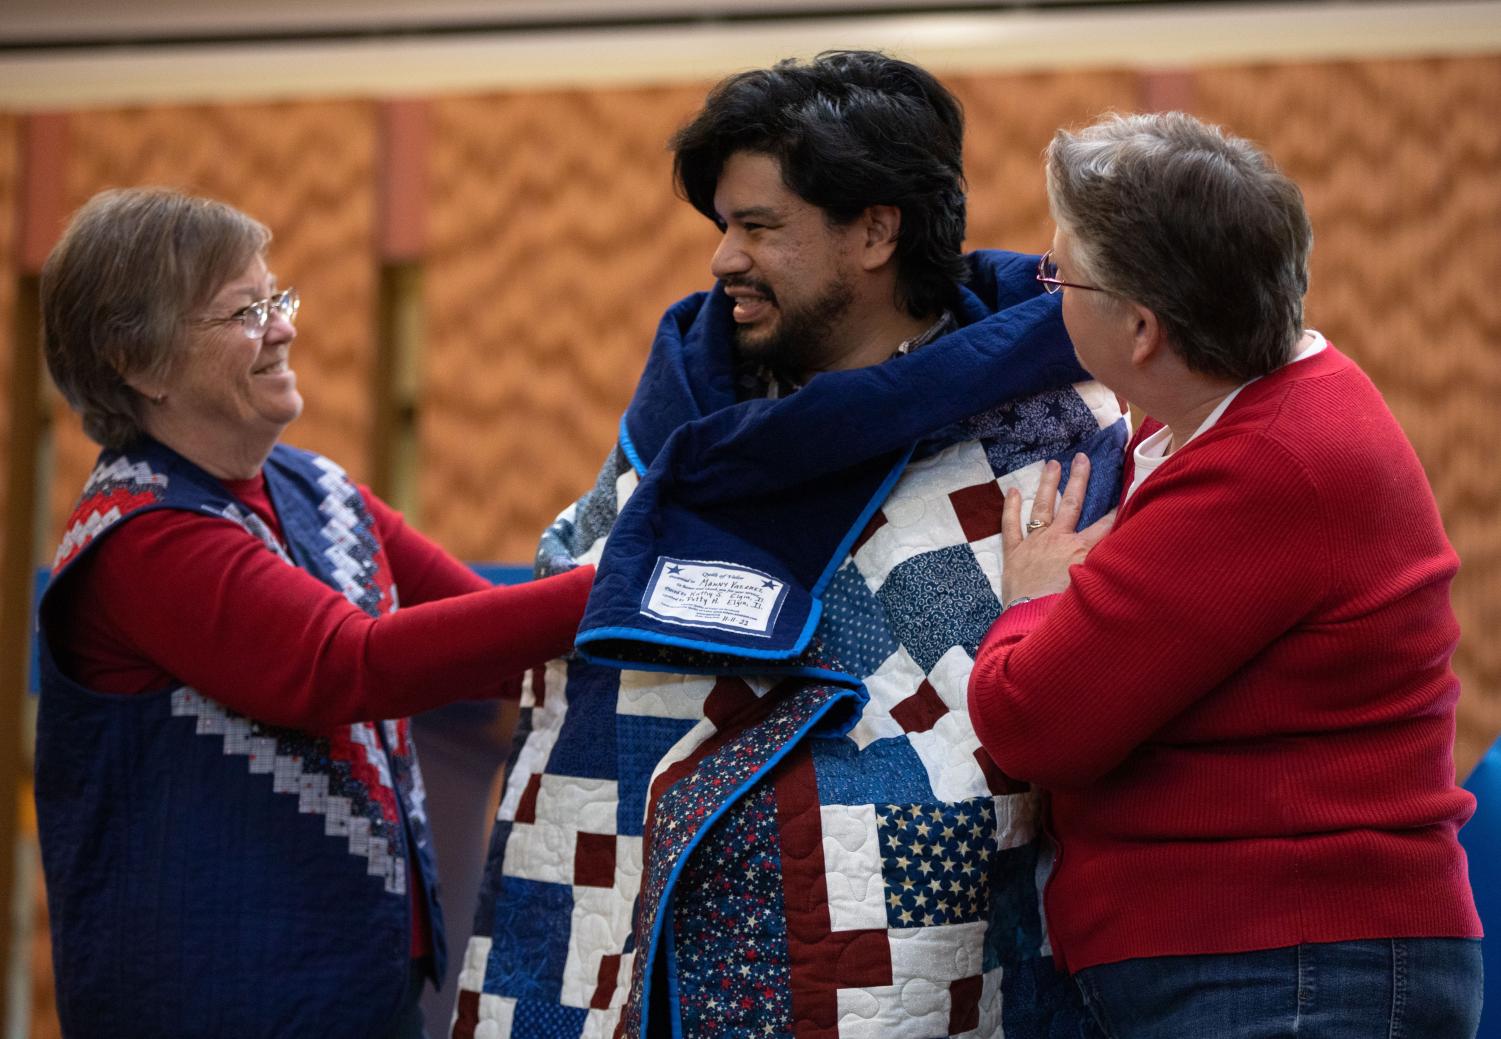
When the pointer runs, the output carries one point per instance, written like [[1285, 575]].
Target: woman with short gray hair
[[229, 803], [1240, 697]]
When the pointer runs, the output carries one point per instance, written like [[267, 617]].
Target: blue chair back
[[1481, 838]]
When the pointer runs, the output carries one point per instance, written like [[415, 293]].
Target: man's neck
[[877, 338]]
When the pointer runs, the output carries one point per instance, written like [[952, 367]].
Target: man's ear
[[881, 225]]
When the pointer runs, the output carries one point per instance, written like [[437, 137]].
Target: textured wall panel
[[37, 953], [555, 243], [1008, 122], [306, 171], [1398, 161], [9, 186]]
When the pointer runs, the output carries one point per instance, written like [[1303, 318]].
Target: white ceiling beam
[[1142, 36]]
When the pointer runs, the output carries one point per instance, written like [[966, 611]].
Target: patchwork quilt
[[752, 803]]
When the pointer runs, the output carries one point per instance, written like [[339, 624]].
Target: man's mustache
[[760, 288]]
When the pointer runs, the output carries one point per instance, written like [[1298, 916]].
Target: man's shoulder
[[999, 278], [1002, 260]]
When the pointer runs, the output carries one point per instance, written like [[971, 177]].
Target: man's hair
[[1196, 225], [118, 290], [849, 129]]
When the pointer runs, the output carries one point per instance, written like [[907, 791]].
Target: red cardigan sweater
[[1243, 705]]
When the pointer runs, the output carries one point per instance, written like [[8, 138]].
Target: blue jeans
[[1422, 988]]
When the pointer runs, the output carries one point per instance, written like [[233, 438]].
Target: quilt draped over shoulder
[[752, 803]]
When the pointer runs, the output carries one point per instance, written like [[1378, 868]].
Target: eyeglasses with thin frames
[[1047, 273], [255, 318]]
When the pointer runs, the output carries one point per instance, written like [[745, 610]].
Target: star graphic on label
[[768, 584], [674, 569]]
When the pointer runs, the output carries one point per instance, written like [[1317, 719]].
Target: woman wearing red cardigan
[[1241, 702]]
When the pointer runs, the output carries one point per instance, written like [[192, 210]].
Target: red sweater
[[1243, 706], [175, 597], [171, 596]]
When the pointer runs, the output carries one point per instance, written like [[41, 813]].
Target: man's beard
[[801, 341]]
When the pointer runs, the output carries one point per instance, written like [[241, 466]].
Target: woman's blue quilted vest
[[208, 874]]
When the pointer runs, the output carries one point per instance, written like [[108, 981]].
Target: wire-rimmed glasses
[[255, 318], [1047, 273]]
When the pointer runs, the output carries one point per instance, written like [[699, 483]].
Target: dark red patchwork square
[[604, 989], [467, 1017], [979, 509], [964, 1004], [876, 523], [862, 959], [526, 808], [594, 860], [920, 711], [729, 697]]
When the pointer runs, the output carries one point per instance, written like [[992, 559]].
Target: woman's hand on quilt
[[1036, 554]]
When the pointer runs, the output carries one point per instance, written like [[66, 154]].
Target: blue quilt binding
[[815, 612], [719, 479]]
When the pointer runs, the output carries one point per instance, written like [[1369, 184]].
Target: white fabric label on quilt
[[703, 594]]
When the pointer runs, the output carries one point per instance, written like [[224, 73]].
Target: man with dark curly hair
[[839, 187], [753, 803]]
